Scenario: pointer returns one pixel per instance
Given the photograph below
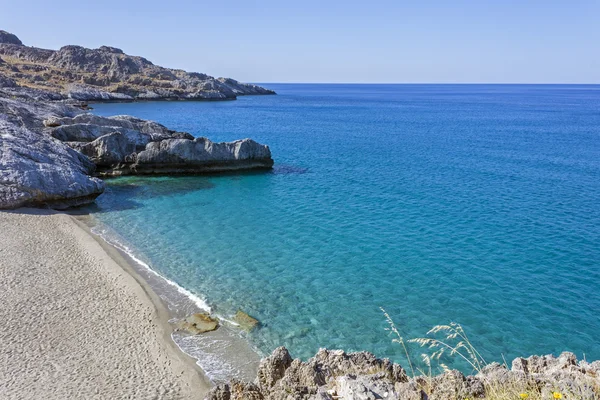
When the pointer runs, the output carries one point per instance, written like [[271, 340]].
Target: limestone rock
[[336, 375], [36, 170], [9, 38], [360, 387], [82, 92], [246, 322], [107, 150], [202, 155], [199, 323], [110, 49], [7, 82], [273, 368]]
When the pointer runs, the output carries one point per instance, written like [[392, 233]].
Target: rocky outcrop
[[108, 74], [9, 38], [124, 145], [50, 150], [360, 376], [184, 156], [36, 170]]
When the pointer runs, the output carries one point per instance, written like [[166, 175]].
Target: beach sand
[[75, 322]]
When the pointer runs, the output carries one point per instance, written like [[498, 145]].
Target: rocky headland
[[52, 152], [108, 74], [336, 375]]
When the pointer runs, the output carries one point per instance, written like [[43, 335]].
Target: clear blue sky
[[449, 41]]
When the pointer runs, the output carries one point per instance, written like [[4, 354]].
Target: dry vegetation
[[444, 341]]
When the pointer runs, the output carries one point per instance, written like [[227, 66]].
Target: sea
[[472, 204]]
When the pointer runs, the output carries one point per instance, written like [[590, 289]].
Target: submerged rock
[[246, 322], [199, 323]]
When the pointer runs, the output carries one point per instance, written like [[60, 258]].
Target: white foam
[[110, 239]]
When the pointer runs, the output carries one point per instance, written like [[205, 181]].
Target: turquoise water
[[478, 204]]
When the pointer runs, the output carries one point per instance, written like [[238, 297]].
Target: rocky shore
[[52, 152], [336, 375]]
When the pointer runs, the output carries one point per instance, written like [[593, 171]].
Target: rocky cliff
[[108, 74], [336, 375], [36, 169], [51, 152]]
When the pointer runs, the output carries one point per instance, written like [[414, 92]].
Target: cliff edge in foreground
[[108, 74], [336, 375]]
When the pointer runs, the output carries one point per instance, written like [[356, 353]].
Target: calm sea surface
[[478, 204]]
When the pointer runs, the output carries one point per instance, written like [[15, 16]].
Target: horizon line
[[426, 83]]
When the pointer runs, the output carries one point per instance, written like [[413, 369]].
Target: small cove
[[469, 203]]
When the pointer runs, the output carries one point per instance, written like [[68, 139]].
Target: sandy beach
[[75, 321]]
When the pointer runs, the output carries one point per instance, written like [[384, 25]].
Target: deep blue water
[[478, 204]]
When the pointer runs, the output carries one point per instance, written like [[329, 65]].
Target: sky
[[427, 41]]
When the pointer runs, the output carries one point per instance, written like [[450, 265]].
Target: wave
[[223, 354]]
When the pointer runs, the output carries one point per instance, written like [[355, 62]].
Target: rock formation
[[9, 38], [198, 323], [108, 74], [124, 145], [50, 151], [337, 375], [35, 169]]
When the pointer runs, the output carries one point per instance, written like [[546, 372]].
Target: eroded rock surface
[[35, 169], [336, 375]]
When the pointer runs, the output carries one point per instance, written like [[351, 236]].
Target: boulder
[[199, 323], [201, 156], [245, 321]]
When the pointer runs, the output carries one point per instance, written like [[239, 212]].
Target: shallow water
[[478, 204]]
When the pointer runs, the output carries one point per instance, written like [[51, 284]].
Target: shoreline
[[219, 355], [58, 338], [163, 315]]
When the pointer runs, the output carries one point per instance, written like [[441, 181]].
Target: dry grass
[[451, 340]]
